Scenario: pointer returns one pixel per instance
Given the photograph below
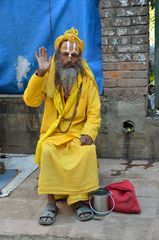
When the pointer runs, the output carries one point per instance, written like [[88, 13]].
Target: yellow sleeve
[[93, 121], [34, 95]]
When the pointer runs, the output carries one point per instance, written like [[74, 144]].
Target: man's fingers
[[39, 52], [43, 52], [86, 140], [82, 139]]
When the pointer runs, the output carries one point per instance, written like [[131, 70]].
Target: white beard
[[67, 76]]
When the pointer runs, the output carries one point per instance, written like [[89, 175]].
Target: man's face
[[69, 53]]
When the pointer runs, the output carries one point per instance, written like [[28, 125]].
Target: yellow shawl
[[52, 92], [61, 111]]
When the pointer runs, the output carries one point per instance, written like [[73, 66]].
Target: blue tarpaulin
[[27, 25], [7, 176]]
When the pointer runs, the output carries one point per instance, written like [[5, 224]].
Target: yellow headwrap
[[72, 36]]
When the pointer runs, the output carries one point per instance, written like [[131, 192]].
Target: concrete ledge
[[11, 96], [19, 125]]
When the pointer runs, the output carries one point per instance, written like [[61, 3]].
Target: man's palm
[[43, 61]]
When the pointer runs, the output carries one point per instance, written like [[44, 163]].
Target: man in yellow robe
[[66, 151]]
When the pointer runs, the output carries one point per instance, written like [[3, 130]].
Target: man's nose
[[69, 58]]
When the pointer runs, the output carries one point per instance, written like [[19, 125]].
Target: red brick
[[139, 57], [116, 40], [140, 19], [135, 11], [126, 74], [112, 74], [124, 57], [140, 48], [141, 39], [110, 49], [108, 31], [110, 83], [132, 82], [116, 22], [125, 66]]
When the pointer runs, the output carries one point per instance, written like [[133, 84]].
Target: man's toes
[[83, 215], [43, 219], [48, 220], [87, 214]]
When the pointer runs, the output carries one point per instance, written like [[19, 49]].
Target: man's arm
[[33, 95], [91, 127]]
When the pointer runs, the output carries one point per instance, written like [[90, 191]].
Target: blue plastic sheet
[[7, 177], [27, 25]]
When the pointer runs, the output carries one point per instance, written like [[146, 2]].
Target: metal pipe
[[128, 127]]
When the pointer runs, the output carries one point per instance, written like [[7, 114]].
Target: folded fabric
[[124, 197]]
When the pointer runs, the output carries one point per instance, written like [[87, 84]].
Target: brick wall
[[125, 47], [125, 34]]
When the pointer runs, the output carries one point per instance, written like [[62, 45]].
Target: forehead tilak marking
[[68, 45], [68, 48], [74, 46]]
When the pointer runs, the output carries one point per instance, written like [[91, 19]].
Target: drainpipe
[[128, 128]]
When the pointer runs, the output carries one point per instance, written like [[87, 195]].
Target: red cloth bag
[[124, 197]]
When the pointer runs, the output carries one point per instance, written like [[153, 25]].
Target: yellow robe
[[66, 167]]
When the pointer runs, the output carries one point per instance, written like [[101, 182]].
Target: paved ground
[[20, 211]]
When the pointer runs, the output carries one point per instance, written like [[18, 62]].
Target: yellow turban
[[70, 35]]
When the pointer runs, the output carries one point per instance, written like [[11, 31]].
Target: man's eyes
[[66, 54]]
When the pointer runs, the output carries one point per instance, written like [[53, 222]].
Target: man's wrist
[[40, 73]]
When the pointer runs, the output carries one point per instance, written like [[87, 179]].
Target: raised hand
[[43, 61]]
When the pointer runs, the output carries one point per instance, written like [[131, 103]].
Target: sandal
[[48, 216], [81, 209]]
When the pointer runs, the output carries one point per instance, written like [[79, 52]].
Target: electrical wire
[[51, 27]]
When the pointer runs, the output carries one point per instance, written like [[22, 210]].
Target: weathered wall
[[19, 125], [125, 47], [125, 67]]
